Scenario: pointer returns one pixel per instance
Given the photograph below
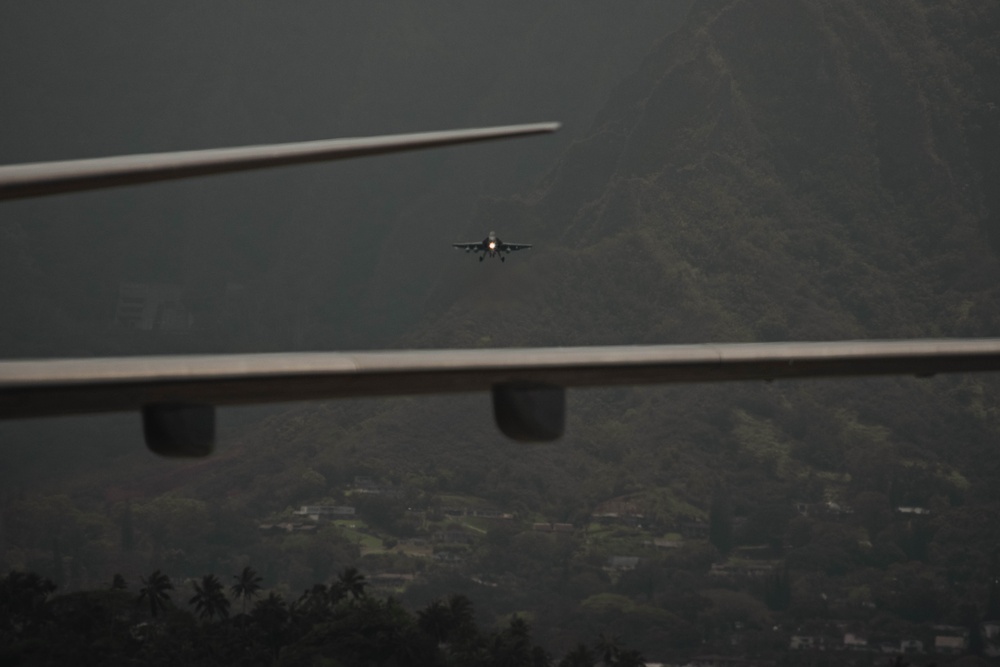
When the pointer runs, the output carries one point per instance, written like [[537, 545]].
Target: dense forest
[[772, 170], [336, 624]]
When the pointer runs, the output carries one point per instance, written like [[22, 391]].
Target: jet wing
[[510, 247], [46, 178], [478, 245], [528, 384]]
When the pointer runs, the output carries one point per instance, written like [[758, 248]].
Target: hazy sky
[[120, 77], [315, 246]]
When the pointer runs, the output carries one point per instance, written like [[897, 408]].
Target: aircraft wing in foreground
[[19, 181], [177, 395]]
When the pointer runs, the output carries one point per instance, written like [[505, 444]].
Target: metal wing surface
[[177, 395], [65, 386], [47, 178], [516, 246], [477, 245]]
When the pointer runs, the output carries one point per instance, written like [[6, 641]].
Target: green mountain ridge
[[705, 227], [827, 199], [701, 230]]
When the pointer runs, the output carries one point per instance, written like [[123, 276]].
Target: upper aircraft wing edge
[[46, 178], [65, 386]]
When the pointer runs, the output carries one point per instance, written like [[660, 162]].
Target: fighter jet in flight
[[491, 246]]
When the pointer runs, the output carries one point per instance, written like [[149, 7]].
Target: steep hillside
[[775, 171], [779, 171]]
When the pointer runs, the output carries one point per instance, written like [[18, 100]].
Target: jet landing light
[[177, 395]]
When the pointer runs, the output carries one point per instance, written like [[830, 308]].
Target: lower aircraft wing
[[177, 395], [515, 246], [47, 178], [468, 246]]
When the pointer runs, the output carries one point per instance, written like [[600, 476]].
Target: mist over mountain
[[771, 170], [323, 257], [774, 171], [279, 260], [779, 171]]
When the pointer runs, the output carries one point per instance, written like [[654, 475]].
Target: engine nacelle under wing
[[177, 394]]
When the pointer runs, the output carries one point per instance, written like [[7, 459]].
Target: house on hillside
[[888, 648], [390, 582], [623, 563], [491, 514], [316, 512], [991, 638], [916, 511], [666, 543], [727, 661], [618, 512], [366, 485], [448, 557], [949, 645], [286, 527], [552, 527], [693, 530], [453, 536], [735, 571], [810, 643]]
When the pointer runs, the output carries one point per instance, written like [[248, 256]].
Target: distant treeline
[[337, 624]]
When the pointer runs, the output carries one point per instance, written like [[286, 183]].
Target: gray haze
[[317, 257]]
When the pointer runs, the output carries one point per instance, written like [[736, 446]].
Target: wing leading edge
[[526, 382], [48, 178]]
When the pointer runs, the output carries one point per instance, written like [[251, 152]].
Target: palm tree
[[24, 600], [608, 648], [436, 621], [518, 628], [463, 620], [630, 657], [155, 590], [247, 585], [210, 598], [353, 582], [318, 602], [336, 592], [581, 656], [512, 646], [271, 616]]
